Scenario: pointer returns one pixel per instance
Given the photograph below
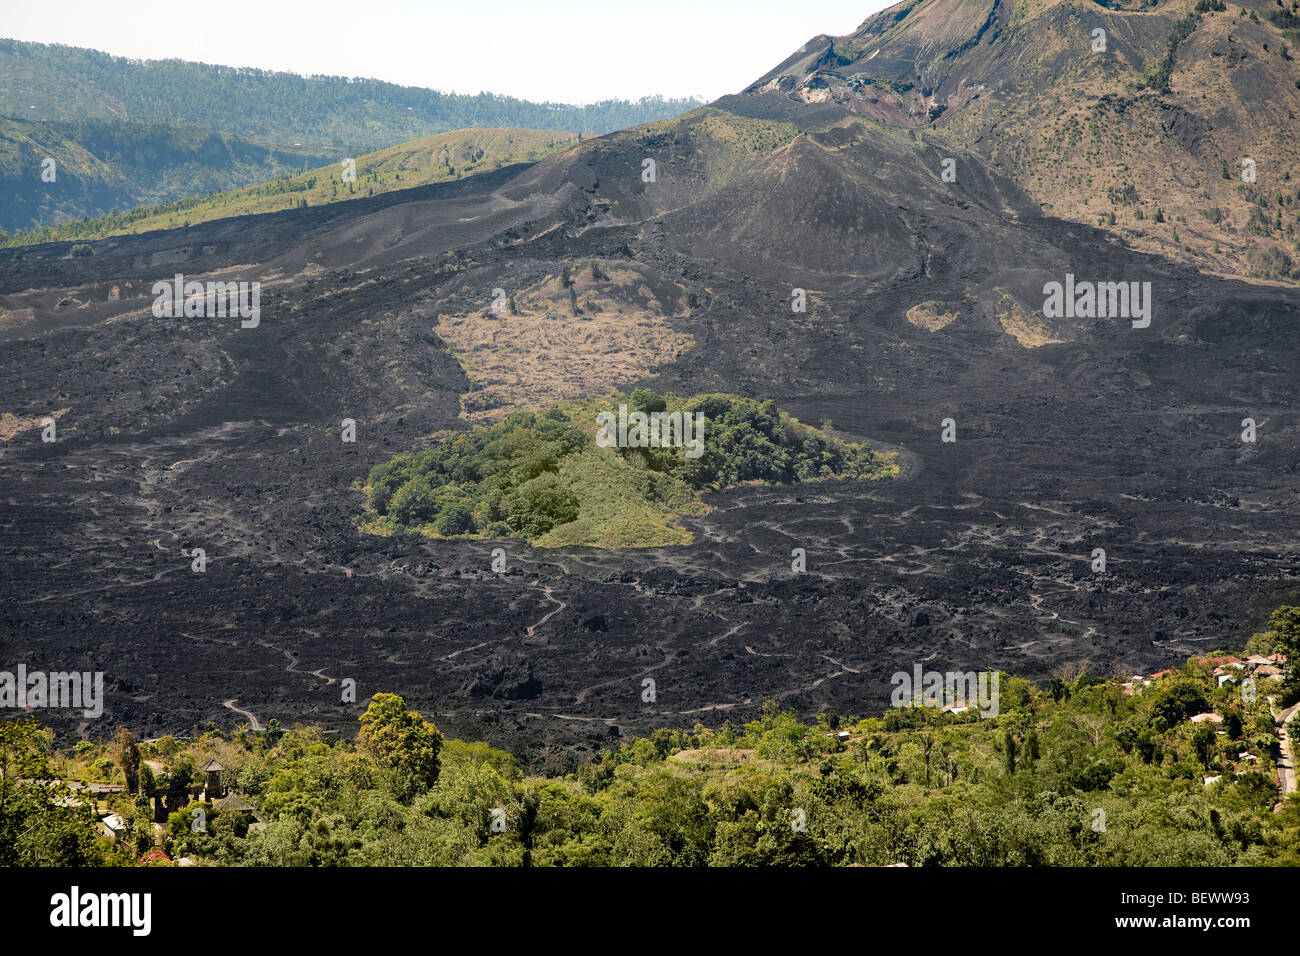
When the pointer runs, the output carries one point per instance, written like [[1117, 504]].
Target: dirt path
[[550, 596], [253, 722], [1286, 763]]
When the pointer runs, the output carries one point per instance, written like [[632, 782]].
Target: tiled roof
[[233, 803]]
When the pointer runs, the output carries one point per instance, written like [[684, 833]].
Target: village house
[[114, 826], [1224, 660], [240, 810]]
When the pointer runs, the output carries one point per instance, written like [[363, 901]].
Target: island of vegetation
[[543, 475]]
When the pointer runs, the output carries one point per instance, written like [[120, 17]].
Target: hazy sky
[[574, 51]]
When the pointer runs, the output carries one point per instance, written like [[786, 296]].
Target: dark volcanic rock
[[504, 677]]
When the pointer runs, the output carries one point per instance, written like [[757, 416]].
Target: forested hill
[[103, 165], [179, 170], [54, 82]]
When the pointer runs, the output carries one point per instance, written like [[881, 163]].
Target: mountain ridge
[[126, 133], [279, 107], [430, 159], [1148, 137], [116, 165]]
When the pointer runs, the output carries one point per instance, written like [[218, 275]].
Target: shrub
[[415, 503], [455, 519], [540, 505]]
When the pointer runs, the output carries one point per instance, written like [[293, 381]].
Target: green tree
[[541, 504], [644, 400], [455, 519], [403, 742], [1031, 747], [1285, 625], [1203, 744], [1177, 701], [129, 759], [41, 822], [415, 503]]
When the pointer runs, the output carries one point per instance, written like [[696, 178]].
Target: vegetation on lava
[[542, 475]]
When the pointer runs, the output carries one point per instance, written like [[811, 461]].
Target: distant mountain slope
[[102, 165], [55, 82], [431, 159], [1147, 138]]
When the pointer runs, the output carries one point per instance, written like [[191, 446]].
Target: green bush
[[415, 502], [455, 519], [540, 505]]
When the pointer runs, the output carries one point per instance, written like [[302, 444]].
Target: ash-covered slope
[[1136, 117]]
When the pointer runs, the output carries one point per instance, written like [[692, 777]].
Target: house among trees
[[240, 810], [114, 826], [1224, 660], [1224, 676]]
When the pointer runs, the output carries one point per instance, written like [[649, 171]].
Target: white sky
[[573, 51]]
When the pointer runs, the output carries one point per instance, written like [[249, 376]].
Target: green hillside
[[55, 82], [432, 159], [102, 165]]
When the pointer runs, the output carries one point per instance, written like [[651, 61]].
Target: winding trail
[[253, 722], [550, 596]]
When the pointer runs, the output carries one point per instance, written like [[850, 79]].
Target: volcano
[[921, 183]]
